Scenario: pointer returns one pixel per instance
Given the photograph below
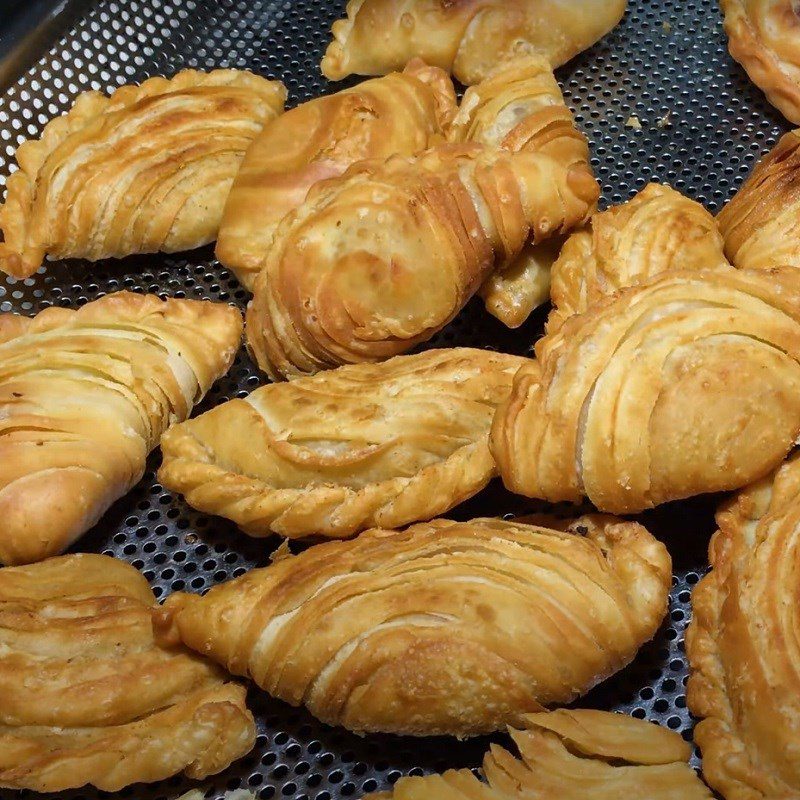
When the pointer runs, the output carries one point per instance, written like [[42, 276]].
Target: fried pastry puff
[[377, 261], [402, 113], [743, 644], [444, 628], [764, 37], [571, 755], [347, 449], [659, 230], [761, 224], [685, 385], [85, 396], [87, 696], [468, 38], [146, 169]]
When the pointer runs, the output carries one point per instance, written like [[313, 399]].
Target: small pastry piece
[[347, 449], [659, 230], [685, 385], [85, 396], [764, 37], [468, 38], [761, 224], [444, 628], [743, 644], [401, 113], [146, 169], [87, 696], [377, 261]]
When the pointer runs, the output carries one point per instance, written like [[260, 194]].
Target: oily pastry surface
[[347, 449], [401, 113], [444, 628], [87, 696], [468, 38], [146, 169], [764, 37], [84, 397], [685, 385]]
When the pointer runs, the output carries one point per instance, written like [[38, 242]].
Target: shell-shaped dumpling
[[85, 396], [444, 628], [89, 696], [685, 385], [347, 449], [402, 113], [146, 169], [468, 38]]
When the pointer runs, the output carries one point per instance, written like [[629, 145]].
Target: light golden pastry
[[444, 628], [402, 113], [146, 169], [468, 38], [571, 755], [764, 37], [87, 696], [85, 396], [685, 385], [347, 449], [380, 259], [743, 644], [659, 230], [761, 224]]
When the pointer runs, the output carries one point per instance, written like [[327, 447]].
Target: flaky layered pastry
[[764, 37], [146, 169], [444, 628], [348, 449], [761, 224], [658, 231], [685, 385], [85, 396], [468, 38], [378, 260], [743, 644], [87, 696], [571, 755]]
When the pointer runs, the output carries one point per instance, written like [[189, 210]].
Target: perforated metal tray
[[702, 126]]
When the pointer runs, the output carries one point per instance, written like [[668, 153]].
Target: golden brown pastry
[[685, 385], [761, 224], [401, 113], [85, 396], [571, 755], [444, 628], [743, 644], [764, 37], [468, 37], [87, 696], [659, 230], [380, 259], [143, 170], [347, 449]]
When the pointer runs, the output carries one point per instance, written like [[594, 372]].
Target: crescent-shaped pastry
[[402, 113], [468, 38], [659, 230], [761, 224], [85, 396], [444, 628], [146, 169], [685, 385], [743, 644], [764, 37], [87, 696], [347, 449], [378, 260], [571, 755]]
